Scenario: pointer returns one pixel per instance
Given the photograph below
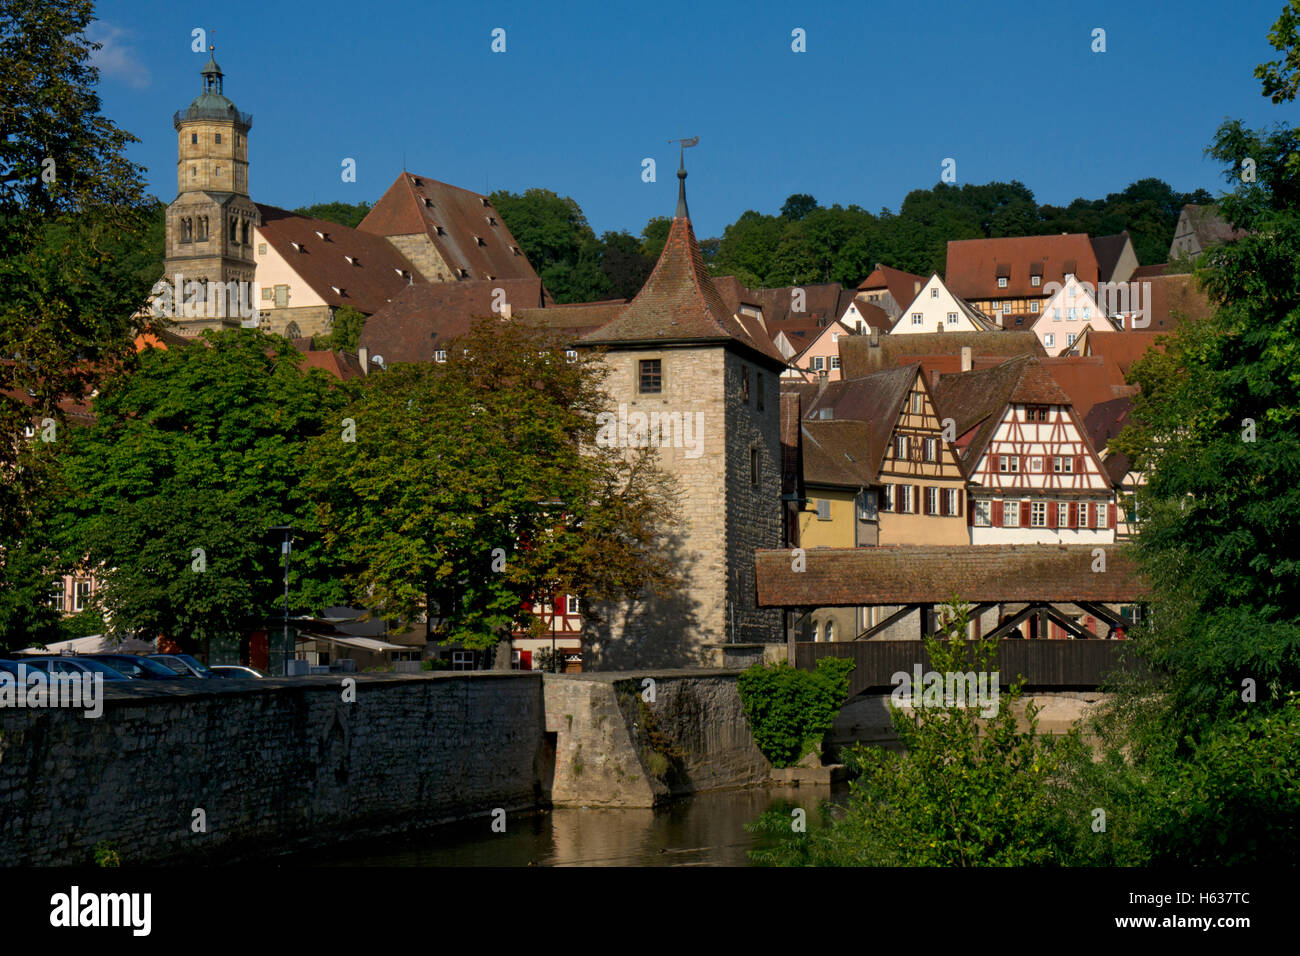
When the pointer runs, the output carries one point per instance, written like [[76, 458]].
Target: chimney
[[938, 326], [965, 358], [822, 379], [363, 354]]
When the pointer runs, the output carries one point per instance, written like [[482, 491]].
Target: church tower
[[210, 223]]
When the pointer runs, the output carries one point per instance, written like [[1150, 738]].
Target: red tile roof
[[859, 357], [903, 286], [1174, 299], [423, 318], [463, 226], [680, 304], [875, 399], [845, 577], [1122, 348], [974, 265], [376, 274], [1088, 380], [836, 453]]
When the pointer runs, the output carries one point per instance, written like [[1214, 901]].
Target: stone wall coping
[[139, 691], [659, 673]]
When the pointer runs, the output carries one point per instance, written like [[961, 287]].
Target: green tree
[[193, 458], [479, 485], [798, 206], [70, 202], [344, 213], [346, 333]]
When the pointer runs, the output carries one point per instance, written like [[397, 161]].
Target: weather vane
[[687, 143]]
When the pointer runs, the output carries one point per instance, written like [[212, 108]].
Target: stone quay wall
[[274, 766]]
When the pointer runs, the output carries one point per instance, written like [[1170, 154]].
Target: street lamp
[[285, 549]]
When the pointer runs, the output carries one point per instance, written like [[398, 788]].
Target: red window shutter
[[1074, 514], [997, 514], [925, 500], [1024, 514], [970, 511], [943, 502], [917, 494], [1078, 464], [1111, 522], [1051, 514]]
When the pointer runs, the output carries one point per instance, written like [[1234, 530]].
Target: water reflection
[[705, 830]]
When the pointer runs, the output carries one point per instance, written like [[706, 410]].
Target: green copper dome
[[212, 103]]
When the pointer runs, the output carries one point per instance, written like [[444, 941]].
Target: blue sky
[[585, 91]]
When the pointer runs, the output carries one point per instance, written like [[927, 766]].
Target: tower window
[[194, 138], [244, 233], [218, 139], [753, 467], [194, 170]]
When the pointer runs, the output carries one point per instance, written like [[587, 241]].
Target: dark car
[[183, 664], [237, 671], [137, 667], [73, 665]]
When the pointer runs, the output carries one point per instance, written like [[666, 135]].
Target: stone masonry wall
[[276, 765], [616, 749]]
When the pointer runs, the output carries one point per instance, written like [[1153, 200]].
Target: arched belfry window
[[187, 230], [203, 228]]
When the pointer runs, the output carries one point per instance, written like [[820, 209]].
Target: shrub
[[790, 710]]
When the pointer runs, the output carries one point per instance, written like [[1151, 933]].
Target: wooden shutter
[[970, 510], [1024, 514], [1078, 464], [925, 500], [1051, 514], [997, 514], [1111, 522], [1074, 514]]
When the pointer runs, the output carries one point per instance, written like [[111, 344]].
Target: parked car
[[10, 667], [138, 667], [73, 665], [236, 670], [183, 664]]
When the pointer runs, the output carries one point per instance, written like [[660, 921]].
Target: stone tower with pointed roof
[[210, 223], [679, 357]]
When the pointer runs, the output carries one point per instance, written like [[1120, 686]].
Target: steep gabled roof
[[680, 305], [975, 265], [1108, 249], [1122, 348], [859, 356], [1210, 228], [835, 453], [977, 400], [366, 268], [872, 315], [903, 286], [463, 226], [875, 399]]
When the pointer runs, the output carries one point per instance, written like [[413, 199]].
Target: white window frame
[[1035, 281], [835, 361], [1038, 514], [1069, 340], [908, 504], [918, 318], [1062, 514], [951, 495], [1099, 515], [440, 356], [1006, 308], [1033, 307], [823, 509], [952, 318], [1063, 464], [932, 499], [900, 447], [572, 605], [983, 517], [1011, 514], [817, 363], [934, 293], [1049, 340], [80, 594], [1002, 282]]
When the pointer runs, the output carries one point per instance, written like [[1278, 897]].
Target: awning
[[360, 643], [94, 644]]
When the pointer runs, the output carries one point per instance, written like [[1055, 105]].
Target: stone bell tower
[[210, 223]]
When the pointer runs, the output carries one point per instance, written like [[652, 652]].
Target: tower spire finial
[[686, 143]]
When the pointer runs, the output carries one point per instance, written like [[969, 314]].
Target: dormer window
[[297, 246], [325, 237], [1035, 281], [403, 273], [1002, 282], [492, 220], [479, 241], [484, 200], [352, 260], [463, 273], [439, 230], [515, 250], [414, 181], [428, 202], [339, 292]]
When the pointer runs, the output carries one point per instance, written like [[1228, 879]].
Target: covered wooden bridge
[[1040, 582]]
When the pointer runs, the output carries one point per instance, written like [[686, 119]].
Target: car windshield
[[196, 664], [171, 664], [74, 665], [141, 665], [101, 668]]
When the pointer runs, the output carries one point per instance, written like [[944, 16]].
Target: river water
[[707, 829]]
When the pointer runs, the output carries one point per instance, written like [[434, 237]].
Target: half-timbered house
[[1033, 474]]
